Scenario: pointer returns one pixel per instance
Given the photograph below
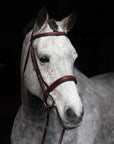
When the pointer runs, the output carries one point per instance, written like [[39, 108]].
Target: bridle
[[46, 89]]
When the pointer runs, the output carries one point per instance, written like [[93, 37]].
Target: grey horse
[[55, 57]]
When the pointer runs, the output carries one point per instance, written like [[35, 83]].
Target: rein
[[46, 89]]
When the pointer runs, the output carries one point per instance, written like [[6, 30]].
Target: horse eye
[[44, 59]]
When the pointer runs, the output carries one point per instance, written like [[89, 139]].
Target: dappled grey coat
[[97, 94]]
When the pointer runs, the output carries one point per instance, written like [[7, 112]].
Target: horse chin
[[70, 126]]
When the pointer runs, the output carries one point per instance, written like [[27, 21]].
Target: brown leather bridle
[[46, 89]]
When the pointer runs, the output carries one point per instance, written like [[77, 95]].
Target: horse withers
[[52, 87]]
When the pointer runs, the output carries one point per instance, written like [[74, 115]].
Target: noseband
[[46, 89]]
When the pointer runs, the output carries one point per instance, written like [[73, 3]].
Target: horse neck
[[32, 106], [34, 114], [82, 81], [25, 48], [86, 87]]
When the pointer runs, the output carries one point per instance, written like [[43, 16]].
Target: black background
[[92, 36]]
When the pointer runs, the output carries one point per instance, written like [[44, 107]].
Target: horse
[[56, 97]]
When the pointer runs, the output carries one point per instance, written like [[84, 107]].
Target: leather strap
[[48, 34], [59, 81]]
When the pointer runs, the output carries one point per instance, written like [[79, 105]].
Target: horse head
[[55, 57]]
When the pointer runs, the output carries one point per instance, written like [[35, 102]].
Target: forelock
[[53, 25]]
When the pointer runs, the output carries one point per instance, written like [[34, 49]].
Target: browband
[[47, 34]]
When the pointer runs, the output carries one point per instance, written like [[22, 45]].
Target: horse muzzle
[[71, 119]]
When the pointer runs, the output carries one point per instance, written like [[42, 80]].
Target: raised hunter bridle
[[46, 89]]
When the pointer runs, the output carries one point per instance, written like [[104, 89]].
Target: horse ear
[[68, 22], [41, 19]]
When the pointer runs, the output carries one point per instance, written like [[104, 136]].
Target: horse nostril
[[72, 117], [70, 114]]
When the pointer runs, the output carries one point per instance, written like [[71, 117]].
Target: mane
[[53, 25], [27, 28]]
